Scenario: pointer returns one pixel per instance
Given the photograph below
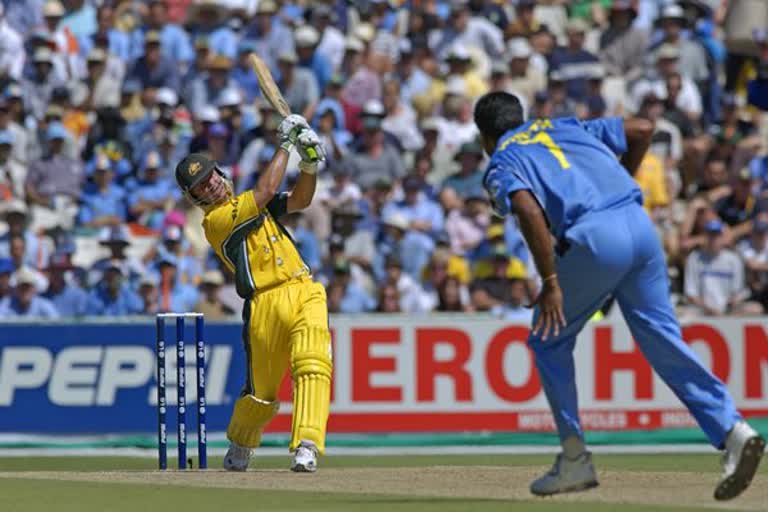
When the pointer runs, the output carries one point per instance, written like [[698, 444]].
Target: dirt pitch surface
[[671, 489]]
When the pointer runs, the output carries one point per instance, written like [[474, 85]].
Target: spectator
[[466, 223], [153, 70], [208, 18], [153, 194], [6, 270], [305, 240], [376, 158], [450, 297], [175, 295], [410, 295], [754, 252], [622, 44], [459, 64], [354, 299], [298, 85], [269, 35], [65, 295], [112, 295], [667, 63], [24, 302], [411, 78], [12, 173], [332, 42], [693, 57], [54, 182], [714, 278], [400, 119], [12, 51], [243, 73], [573, 62], [455, 124], [116, 239], [469, 179], [103, 203], [101, 88], [389, 299], [175, 42], [149, 296], [175, 249], [472, 31], [39, 86], [525, 80], [210, 305], [306, 39], [329, 125], [37, 248], [741, 206], [525, 23], [17, 133]]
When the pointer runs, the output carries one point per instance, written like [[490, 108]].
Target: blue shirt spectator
[[243, 73], [269, 36], [25, 302], [81, 18], [104, 201], [174, 295], [113, 296], [154, 70], [355, 298], [469, 179], [68, 298], [573, 63], [148, 201]]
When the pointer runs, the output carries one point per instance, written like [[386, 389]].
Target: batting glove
[[305, 143], [289, 130]]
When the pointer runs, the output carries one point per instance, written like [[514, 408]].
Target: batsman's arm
[[269, 181], [303, 192], [638, 133]]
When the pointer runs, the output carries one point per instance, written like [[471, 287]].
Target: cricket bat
[[273, 95]]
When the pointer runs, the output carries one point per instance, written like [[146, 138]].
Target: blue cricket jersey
[[570, 166]]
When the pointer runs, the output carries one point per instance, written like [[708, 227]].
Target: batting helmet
[[193, 169]]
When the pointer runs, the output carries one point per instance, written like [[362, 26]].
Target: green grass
[[673, 462], [42, 496], [22, 495]]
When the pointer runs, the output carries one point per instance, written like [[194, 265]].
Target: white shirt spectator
[[689, 100], [413, 298], [332, 46], [12, 52], [716, 280]]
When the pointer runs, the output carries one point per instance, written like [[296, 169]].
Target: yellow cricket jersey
[[253, 244]]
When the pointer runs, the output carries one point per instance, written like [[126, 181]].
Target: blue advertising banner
[[99, 378]]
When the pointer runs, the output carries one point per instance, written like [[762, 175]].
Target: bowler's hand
[[551, 317]]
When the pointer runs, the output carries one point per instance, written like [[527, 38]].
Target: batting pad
[[248, 420], [311, 365]]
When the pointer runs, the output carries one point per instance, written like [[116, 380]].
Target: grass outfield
[[658, 483]]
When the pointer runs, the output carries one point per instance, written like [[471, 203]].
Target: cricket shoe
[[567, 475], [305, 458], [237, 458], [743, 450]]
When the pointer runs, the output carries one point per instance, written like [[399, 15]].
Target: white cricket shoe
[[567, 475], [743, 450], [237, 458], [305, 458]]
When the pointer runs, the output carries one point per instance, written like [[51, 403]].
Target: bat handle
[[312, 153]]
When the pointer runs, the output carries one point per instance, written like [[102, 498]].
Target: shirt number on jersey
[[537, 135]]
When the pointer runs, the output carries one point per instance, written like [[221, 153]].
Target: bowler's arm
[[533, 224], [638, 133]]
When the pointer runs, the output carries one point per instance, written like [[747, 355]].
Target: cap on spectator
[[152, 161], [306, 36], [43, 55], [353, 44], [152, 37], [266, 7], [760, 226], [577, 26], [114, 235], [53, 9], [456, 86], [458, 52], [24, 275], [97, 55], [393, 260], [469, 148], [672, 12], [56, 131], [6, 138], [172, 234], [131, 86], [397, 220], [713, 226], [667, 51], [288, 56], [212, 277], [14, 206], [208, 114], [6, 266], [218, 130], [220, 62], [229, 98], [166, 96], [373, 108], [365, 32], [499, 68]]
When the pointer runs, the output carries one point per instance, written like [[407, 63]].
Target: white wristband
[[308, 167]]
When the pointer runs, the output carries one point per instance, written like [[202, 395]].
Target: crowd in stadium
[[100, 100]]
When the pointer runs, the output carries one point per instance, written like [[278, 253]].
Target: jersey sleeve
[[278, 206], [610, 131], [500, 181]]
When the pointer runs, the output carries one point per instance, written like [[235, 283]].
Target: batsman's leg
[[267, 351], [311, 367]]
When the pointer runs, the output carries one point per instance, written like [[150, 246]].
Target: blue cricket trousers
[[617, 252]]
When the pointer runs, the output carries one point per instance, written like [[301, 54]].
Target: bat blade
[[268, 86]]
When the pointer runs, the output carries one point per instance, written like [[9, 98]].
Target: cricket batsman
[[285, 315], [582, 216]]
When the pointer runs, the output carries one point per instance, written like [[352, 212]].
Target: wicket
[[162, 433]]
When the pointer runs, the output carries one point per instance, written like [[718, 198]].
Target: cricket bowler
[[285, 316], [581, 213]]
